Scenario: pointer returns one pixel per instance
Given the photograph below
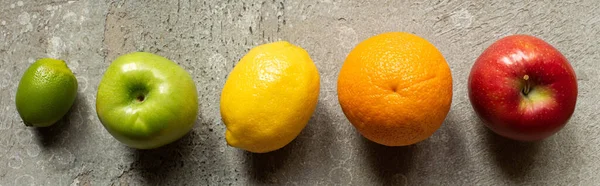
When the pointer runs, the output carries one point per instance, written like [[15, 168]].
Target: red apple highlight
[[523, 88]]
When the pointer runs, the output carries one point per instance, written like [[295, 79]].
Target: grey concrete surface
[[207, 38]]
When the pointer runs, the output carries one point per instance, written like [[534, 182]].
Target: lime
[[46, 92]]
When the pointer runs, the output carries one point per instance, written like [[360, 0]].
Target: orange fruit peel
[[395, 88]]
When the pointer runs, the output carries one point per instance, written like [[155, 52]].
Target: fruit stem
[[527, 87], [140, 98]]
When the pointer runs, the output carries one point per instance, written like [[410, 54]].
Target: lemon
[[46, 92], [269, 97]]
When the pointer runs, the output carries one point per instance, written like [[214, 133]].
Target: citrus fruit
[[395, 88], [269, 97], [46, 92]]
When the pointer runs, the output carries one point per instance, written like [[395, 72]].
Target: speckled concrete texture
[[207, 38]]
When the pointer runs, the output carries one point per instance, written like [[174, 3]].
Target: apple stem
[[140, 98], [527, 87]]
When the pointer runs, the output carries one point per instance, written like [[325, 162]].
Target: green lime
[[46, 92]]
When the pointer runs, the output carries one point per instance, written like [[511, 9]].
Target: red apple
[[523, 88]]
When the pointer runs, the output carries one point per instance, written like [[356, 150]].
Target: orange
[[395, 88]]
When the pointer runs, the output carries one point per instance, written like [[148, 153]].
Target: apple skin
[[146, 101], [501, 76]]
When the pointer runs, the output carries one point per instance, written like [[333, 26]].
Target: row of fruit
[[395, 89]]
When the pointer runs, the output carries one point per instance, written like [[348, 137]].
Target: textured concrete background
[[207, 38]]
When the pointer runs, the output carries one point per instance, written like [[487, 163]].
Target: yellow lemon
[[269, 97]]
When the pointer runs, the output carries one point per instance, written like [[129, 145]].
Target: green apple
[[146, 101]]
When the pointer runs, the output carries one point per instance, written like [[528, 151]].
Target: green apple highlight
[[146, 101]]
